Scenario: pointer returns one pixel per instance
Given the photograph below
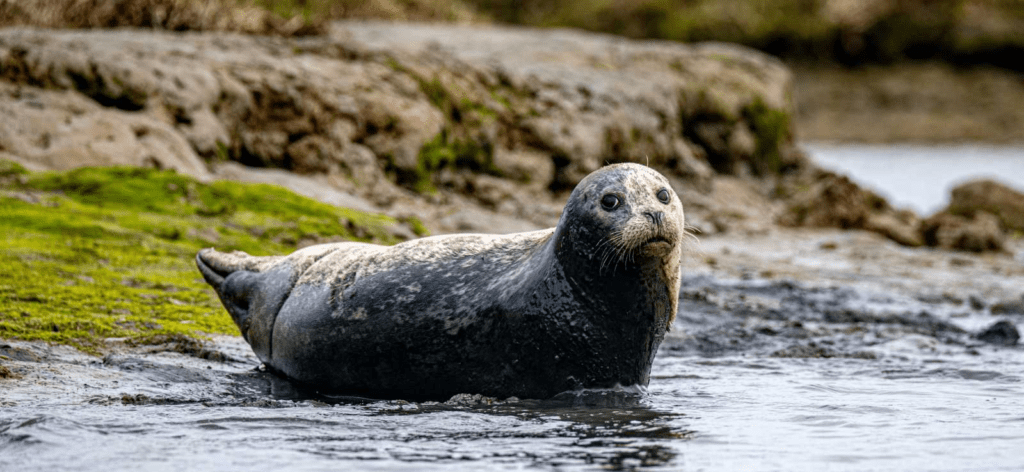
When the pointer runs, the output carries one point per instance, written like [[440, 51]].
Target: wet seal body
[[582, 305]]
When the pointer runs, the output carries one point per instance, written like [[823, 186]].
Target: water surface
[[919, 177], [755, 375]]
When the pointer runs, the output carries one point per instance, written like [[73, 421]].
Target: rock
[[205, 132], [824, 199], [172, 15], [6, 373], [731, 205], [587, 98], [987, 196], [525, 165], [977, 303], [1001, 333], [899, 226], [496, 193], [831, 201], [17, 353], [302, 185], [60, 130], [472, 220], [977, 234], [373, 106], [468, 399]]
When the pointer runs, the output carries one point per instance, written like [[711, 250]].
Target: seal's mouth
[[657, 246], [657, 239]]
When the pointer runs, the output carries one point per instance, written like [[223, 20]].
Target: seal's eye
[[609, 202], [663, 196]]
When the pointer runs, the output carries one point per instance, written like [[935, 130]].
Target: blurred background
[[931, 75]]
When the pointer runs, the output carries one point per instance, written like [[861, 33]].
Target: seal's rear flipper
[[206, 267], [234, 278], [252, 289]]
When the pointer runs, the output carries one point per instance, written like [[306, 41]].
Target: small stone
[[6, 373], [1001, 333]]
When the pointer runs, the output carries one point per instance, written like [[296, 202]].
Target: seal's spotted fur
[[584, 304]]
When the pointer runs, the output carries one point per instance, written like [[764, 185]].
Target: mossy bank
[[99, 253]]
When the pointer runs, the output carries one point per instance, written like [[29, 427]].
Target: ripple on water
[[932, 398]]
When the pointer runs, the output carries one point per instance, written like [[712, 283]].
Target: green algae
[[455, 146], [449, 150], [771, 130], [99, 253]]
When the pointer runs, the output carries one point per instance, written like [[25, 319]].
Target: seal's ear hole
[[663, 196], [610, 202]]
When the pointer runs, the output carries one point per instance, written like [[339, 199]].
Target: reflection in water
[[727, 413], [615, 429]]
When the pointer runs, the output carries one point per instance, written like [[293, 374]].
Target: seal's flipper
[[251, 288], [234, 285], [206, 266]]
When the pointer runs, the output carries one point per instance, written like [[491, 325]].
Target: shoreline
[[968, 292]]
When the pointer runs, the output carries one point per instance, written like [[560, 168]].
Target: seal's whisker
[[606, 250], [691, 242], [691, 238], [605, 254], [616, 240]]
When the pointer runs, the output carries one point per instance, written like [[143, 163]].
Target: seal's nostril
[[655, 217]]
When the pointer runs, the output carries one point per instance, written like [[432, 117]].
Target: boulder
[[52, 129], [899, 226], [978, 233], [830, 200], [988, 196], [820, 198]]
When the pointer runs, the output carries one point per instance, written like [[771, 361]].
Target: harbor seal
[[582, 305]]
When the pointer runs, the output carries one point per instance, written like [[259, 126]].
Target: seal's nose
[[656, 217]]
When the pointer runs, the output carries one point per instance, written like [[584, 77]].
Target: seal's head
[[621, 237], [624, 213]]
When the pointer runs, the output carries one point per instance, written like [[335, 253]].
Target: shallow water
[[919, 177], [756, 375]]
